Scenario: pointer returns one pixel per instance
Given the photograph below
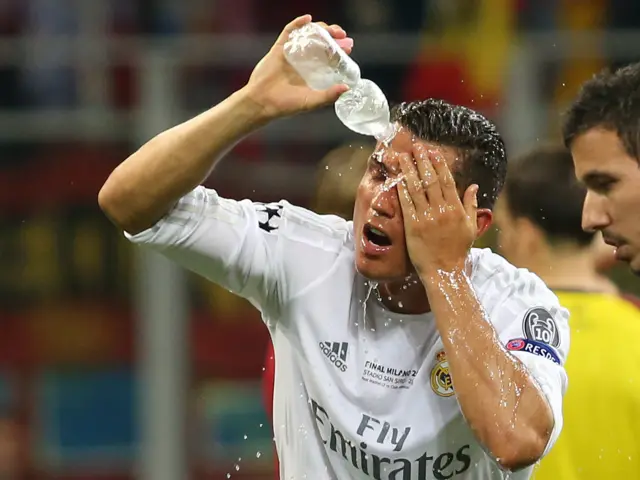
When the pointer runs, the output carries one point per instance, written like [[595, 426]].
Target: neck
[[406, 296], [563, 270]]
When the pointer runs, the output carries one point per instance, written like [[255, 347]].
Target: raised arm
[[512, 402], [148, 184]]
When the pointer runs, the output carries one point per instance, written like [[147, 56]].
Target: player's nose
[[385, 201], [594, 213]]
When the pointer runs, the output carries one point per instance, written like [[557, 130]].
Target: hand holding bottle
[[322, 63], [279, 89]]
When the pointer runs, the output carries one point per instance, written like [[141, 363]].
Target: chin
[[377, 270]]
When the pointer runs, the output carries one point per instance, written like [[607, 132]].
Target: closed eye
[[600, 182], [602, 186], [377, 170]]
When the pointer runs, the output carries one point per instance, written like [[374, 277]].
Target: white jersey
[[360, 392]]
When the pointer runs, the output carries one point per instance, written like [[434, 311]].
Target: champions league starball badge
[[539, 325]]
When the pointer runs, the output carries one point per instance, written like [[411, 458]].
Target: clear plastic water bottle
[[322, 63], [365, 110], [318, 58]]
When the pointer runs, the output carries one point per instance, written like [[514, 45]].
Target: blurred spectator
[[539, 217]]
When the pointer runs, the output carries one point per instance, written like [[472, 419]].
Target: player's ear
[[484, 219]]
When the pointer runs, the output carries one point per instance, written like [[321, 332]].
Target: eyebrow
[[372, 161], [595, 175]]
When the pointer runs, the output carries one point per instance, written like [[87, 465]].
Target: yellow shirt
[[600, 439]]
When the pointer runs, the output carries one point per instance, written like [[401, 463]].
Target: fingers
[[446, 181], [291, 26], [340, 35], [413, 183], [470, 201], [430, 181], [335, 30], [330, 95], [346, 44], [406, 203]]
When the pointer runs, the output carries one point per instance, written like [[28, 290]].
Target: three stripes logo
[[336, 352]]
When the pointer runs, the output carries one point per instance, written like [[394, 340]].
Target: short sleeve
[[535, 330], [232, 243]]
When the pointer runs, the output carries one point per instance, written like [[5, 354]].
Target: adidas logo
[[336, 352]]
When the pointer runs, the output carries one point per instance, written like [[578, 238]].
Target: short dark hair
[[484, 156], [610, 100], [542, 187]]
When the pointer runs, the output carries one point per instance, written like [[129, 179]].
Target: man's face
[[381, 251], [612, 178]]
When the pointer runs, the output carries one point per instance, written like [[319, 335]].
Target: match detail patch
[[533, 347]]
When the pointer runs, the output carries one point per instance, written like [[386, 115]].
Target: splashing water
[[377, 156], [372, 287], [389, 133]]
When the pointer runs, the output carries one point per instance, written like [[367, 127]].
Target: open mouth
[[376, 236]]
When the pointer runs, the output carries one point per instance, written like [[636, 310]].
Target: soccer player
[[602, 130], [538, 215], [338, 175], [390, 331]]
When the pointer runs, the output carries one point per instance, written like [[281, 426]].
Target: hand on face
[[439, 227]]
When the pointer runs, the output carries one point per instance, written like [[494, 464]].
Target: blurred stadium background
[[114, 364]]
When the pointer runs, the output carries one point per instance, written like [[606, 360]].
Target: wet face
[[612, 178], [381, 252]]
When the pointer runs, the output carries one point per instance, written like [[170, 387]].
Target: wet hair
[[610, 100], [542, 187], [480, 146]]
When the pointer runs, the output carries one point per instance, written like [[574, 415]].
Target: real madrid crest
[[441, 382]]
